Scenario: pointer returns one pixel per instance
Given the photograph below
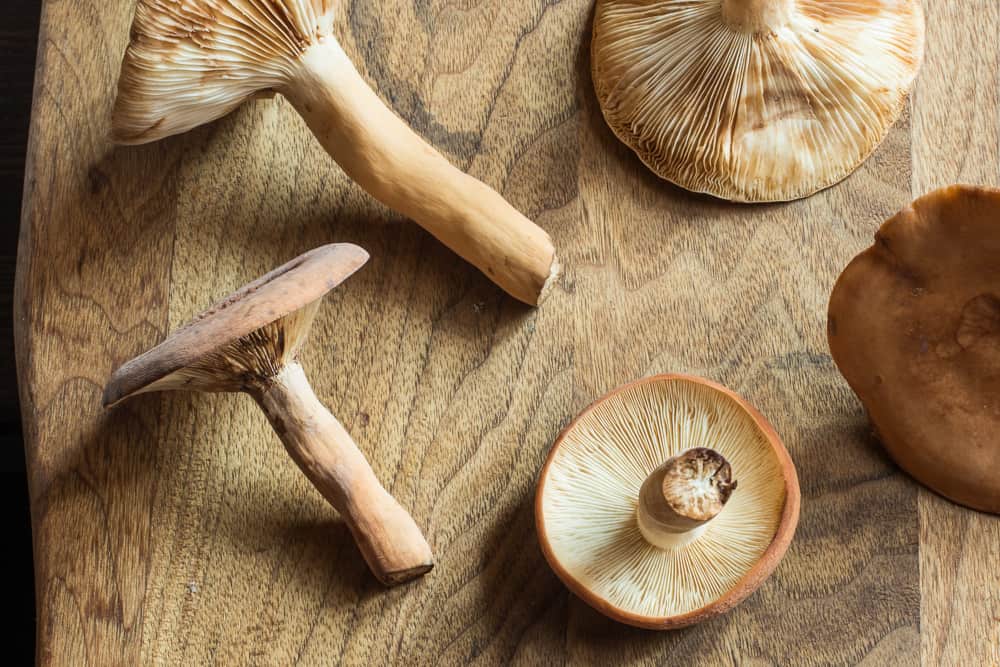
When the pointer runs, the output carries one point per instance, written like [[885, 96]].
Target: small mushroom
[[754, 100], [192, 61], [248, 342], [638, 510], [914, 326]]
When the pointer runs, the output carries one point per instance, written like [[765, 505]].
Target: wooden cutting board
[[175, 530]]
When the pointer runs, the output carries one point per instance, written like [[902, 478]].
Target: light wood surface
[[174, 530], [956, 139]]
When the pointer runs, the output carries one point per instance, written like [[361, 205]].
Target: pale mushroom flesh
[[590, 493], [192, 61], [754, 100]]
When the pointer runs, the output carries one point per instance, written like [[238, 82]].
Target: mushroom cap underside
[[914, 327], [754, 116], [190, 62], [243, 317], [588, 492]]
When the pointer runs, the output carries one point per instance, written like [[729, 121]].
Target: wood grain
[[956, 139], [175, 531]]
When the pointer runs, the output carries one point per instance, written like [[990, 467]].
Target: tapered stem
[[389, 539], [680, 498], [755, 16], [389, 160]]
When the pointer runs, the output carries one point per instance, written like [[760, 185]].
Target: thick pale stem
[[389, 160], [678, 499], [389, 539], [755, 16]]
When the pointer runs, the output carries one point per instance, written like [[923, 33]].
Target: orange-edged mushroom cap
[[755, 100], [666, 502], [914, 326]]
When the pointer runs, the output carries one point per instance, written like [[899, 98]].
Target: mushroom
[[638, 511], [754, 100], [192, 61], [248, 342], [914, 327]]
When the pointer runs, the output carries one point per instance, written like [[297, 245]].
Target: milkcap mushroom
[[914, 327], [192, 61], [666, 502], [754, 100], [248, 342]]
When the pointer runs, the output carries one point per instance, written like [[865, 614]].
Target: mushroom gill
[[590, 493], [193, 61], [754, 100], [248, 361]]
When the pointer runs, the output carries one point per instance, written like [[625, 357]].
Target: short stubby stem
[[386, 534], [393, 164], [680, 498], [755, 16]]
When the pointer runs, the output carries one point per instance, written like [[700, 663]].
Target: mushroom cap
[[190, 62], [284, 300], [754, 116], [585, 507], [914, 326]]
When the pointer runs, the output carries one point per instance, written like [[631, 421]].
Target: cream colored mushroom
[[754, 100], [638, 511], [192, 61]]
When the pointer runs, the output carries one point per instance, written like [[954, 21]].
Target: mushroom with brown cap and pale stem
[[192, 61], [914, 326], [754, 100], [639, 512], [248, 342]]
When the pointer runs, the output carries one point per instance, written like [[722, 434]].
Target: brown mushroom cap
[[914, 326], [587, 505], [225, 345], [754, 100]]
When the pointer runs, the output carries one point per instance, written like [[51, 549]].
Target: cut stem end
[[680, 498]]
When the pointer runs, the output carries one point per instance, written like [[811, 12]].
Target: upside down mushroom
[[914, 327], [248, 342], [754, 100], [666, 502], [192, 61]]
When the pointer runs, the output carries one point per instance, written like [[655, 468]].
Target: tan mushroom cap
[[588, 496], [914, 326], [253, 330], [754, 100]]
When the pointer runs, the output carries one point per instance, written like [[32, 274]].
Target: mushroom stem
[[755, 16], [389, 160], [679, 498], [389, 539]]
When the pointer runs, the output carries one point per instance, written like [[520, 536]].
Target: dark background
[[18, 43]]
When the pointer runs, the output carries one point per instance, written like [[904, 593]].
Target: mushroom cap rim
[[747, 584], [954, 190], [276, 294]]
